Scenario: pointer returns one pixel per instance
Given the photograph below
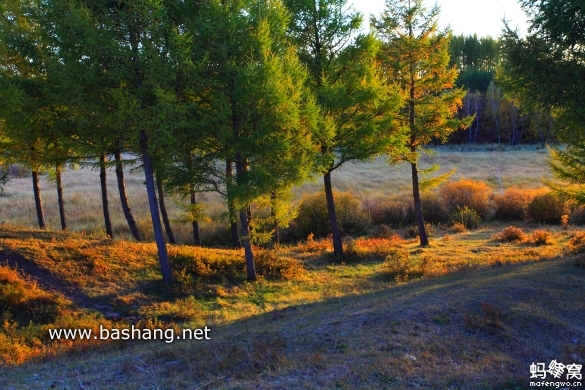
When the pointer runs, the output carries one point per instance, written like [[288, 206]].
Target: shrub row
[[466, 202]]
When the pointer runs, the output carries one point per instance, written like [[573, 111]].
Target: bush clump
[[386, 212], [412, 231], [541, 237], [510, 234], [271, 266], [458, 227], [433, 208], [546, 208], [382, 231], [474, 195], [513, 204], [577, 216], [202, 265], [466, 216], [577, 243], [398, 266], [314, 218]]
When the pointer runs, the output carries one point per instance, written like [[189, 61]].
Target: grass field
[[474, 316], [471, 311], [521, 167]]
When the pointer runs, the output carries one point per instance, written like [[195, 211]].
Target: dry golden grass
[[334, 323], [526, 167]]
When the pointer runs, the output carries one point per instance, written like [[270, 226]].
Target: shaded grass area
[[333, 323]]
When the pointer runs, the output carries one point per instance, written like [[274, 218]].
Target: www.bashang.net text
[[132, 333]]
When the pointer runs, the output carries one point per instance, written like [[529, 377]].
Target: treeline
[[501, 116], [243, 98]]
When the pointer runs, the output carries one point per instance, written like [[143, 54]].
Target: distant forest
[[500, 116]]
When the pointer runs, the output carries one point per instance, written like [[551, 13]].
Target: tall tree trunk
[[105, 204], [38, 200], [163, 211], [60, 197], [422, 233], [163, 256], [276, 235], [420, 222], [231, 211], [124, 196], [245, 229], [196, 235], [337, 244]]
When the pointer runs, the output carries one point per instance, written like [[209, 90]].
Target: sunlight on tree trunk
[[38, 200]]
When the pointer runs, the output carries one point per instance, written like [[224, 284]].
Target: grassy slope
[[336, 325]]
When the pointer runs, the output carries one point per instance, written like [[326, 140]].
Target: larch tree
[[415, 55], [248, 105], [357, 107], [135, 51], [30, 107]]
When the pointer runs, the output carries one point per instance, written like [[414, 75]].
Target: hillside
[[481, 314]]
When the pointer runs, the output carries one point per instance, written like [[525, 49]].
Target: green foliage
[[415, 55], [547, 67], [475, 80], [314, 218], [466, 216], [546, 208], [475, 54]]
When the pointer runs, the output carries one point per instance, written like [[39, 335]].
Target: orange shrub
[[364, 248], [513, 204], [509, 234], [473, 194], [577, 242], [541, 237]]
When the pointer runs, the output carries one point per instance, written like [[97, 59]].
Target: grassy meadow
[[471, 311], [524, 167]]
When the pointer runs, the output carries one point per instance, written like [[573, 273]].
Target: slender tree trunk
[[60, 197], [420, 222], [422, 233], [105, 205], [38, 200], [276, 235], [231, 211], [337, 244], [124, 196], [245, 229], [163, 256], [163, 211], [196, 235]]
